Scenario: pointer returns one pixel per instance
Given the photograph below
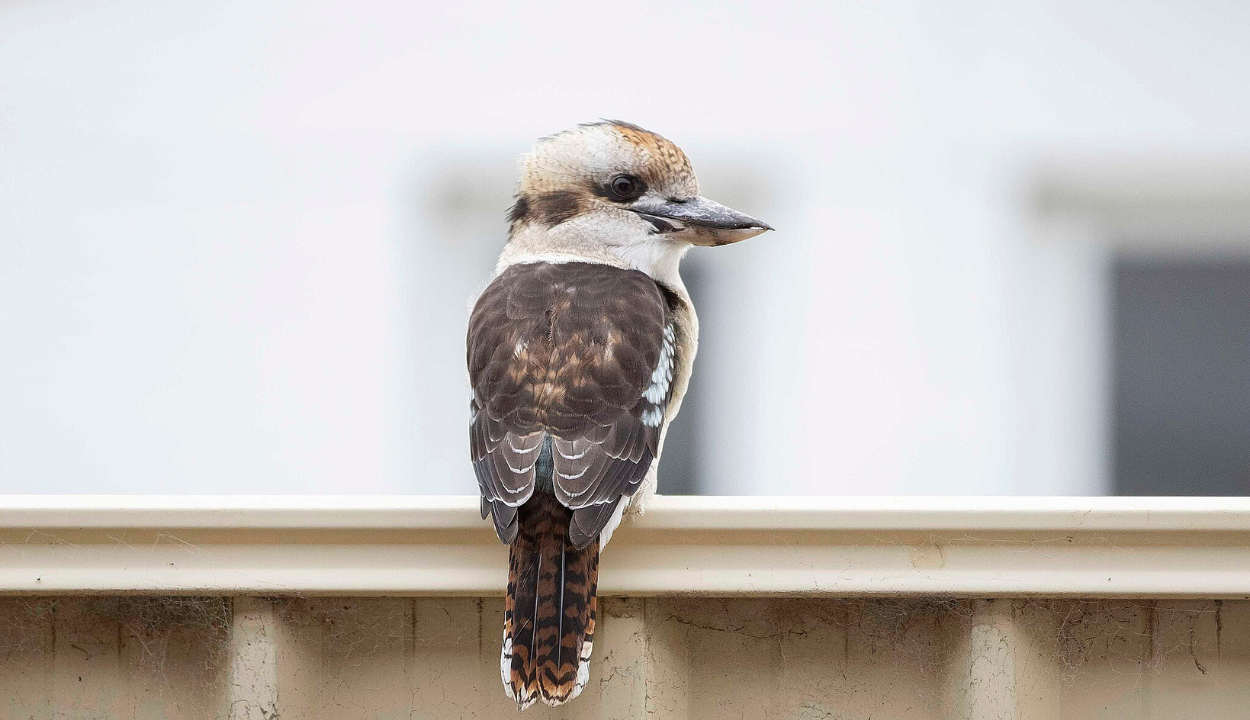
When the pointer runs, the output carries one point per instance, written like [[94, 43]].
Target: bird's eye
[[626, 187]]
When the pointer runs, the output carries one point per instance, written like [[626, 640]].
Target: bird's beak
[[698, 220]]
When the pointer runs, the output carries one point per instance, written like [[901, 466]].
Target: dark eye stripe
[[622, 188]]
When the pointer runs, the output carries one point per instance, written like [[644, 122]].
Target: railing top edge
[[438, 545]]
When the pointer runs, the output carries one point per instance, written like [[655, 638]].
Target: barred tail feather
[[549, 614]]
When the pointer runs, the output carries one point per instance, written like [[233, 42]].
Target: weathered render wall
[[251, 658]]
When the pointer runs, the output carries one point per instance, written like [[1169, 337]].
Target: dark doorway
[[1181, 377]]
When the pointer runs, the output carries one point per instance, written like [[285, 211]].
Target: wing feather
[[581, 354]]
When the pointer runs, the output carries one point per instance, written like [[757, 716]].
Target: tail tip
[[525, 694]]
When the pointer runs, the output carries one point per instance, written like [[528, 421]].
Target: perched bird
[[579, 353]]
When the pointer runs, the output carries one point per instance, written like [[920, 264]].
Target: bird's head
[[614, 184]]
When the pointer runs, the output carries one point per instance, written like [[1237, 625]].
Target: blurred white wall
[[221, 267]]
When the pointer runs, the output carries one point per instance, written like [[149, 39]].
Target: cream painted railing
[[363, 607]]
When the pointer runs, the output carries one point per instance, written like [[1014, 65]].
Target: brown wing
[[571, 368]]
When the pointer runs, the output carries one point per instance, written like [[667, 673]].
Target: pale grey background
[[238, 239]]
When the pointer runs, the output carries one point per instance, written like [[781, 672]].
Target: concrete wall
[[248, 658]]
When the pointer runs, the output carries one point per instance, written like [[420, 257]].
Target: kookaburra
[[579, 353]]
